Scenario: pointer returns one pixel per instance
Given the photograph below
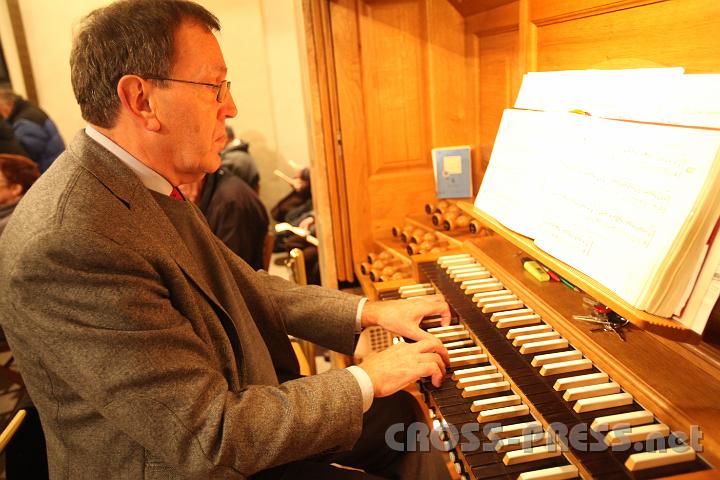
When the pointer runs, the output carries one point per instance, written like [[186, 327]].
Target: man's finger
[[434, 345]]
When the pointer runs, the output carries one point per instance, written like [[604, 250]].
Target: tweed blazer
[[136, 366]]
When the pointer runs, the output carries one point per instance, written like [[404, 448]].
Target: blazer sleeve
[[102, 324], [318, 314]]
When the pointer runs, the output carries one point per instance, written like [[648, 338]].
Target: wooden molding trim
[[540, 20], [23, 52]]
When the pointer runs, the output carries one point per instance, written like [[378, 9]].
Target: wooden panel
[[497, 20], [394, 86], [450, 89], [671, 33], [354, 161], [332, 226], [395, 107], [397, 194], [498, 88], [471, 7]]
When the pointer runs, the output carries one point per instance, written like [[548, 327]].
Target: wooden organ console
[[524, 375]]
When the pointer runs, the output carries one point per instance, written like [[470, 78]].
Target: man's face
[[192, 120]]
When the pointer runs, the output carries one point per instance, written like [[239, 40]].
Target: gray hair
[[126, 37]]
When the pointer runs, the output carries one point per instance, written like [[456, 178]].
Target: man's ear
[[135, 95]]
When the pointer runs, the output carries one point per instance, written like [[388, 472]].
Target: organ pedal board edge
[[520, 401]]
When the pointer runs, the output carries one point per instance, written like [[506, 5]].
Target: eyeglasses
[[222, 88]]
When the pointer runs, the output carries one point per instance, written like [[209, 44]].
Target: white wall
[[259, 40]]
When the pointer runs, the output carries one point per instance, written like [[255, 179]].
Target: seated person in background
[[234, 212], [235, 158], [298, 197], [8, 142], [35, 131], [149, 348], [17, 174]]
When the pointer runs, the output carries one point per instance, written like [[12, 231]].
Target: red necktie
[[177, 195]]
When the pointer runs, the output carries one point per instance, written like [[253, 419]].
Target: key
[[502, 413], [554, 473], [495, 402], [637, 434], [514, 430], [532, 454], [660, 458], [525, 441], [565, 367], [577, 393], [630, 419], [603, 402], [580, 381], [473, 372]]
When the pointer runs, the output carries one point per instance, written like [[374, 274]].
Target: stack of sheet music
[[617, 173]]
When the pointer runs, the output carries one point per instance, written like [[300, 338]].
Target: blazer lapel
[[152, 223]]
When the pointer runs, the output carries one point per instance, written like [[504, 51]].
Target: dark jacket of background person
[[235, 215], [8, 142], [237, 160], [299, 197], [36, 132]]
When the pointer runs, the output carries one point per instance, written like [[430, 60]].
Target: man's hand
[[404, 363], [402, 317]]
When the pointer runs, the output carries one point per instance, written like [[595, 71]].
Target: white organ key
[[489, 287], [460, 343], [637, 434], [483, 302], [525, 441], [532, 454], [479, 380], [500, 306], [484, 389], [516, 332], [480, 295], [580, 381], [553, 473], [451, 336], [457, 261], [473, 372], [461, 352], [468, 360], [514, 430], [572, 394], [477, 283], [449, 328], [495, 402], [444, 258], [420, 292], [603, 402], [414, 286], [455, 269], [660, 458], [630, 419], [534, 337], [521, 321], [511, 313], [501, 413], [478, 275], [540, 360], [565, 367], [544, 346]]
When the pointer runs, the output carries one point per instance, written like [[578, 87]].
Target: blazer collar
[[150, 220]]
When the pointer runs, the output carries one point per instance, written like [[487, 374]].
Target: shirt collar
[[149, 177]]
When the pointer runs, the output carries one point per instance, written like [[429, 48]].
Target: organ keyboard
[[524, 399]]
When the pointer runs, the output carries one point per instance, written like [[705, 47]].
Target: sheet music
[[627, 190], [607, 197], [514, 182], [662, 95]]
